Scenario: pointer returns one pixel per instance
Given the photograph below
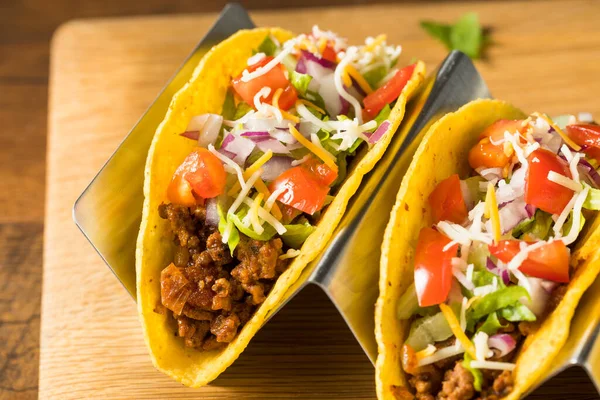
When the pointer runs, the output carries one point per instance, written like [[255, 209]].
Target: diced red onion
[[284, 136], [503, 342], [258, 136], [301, 65], [321, 61], [511, 214], [549, 286], [374, 138], [275, 167], [212, 216], [539, 297], [530, 209], [274, 145], [502, 273], [241, 147], [204, 128], [590, 171]]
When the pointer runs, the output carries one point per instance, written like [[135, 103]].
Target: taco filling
[[242, 203], [496, 260]]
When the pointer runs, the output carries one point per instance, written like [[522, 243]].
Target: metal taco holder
[[348, 269]]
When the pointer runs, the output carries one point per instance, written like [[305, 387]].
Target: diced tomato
[[588, 136], [329, 54], [288, 97], [488, 155], [447, 202], [274, 79], [550, 261], [289, 213], [541, 192], [325, 175], [303, 191], [433, 268], [180, 192], [389, 92], [201, 174]]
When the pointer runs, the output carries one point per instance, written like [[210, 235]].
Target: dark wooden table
[[25, 31]]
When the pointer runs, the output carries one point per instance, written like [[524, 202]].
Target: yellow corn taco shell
[[205, 93], [442, 153]]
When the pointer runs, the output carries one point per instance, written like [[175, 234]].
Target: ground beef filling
[[449, 380], [211, 294]]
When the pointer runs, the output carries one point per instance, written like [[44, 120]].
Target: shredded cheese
[[481, 347], [463, 314], [230, 163], [362, 82], [562, 218], [270, 203], [327, 158], [376, 42], [457, 331], [306, 114], [492, 212], [574, 232], [564, 137], [441, 354], [564, 181], [284, 114], [244, 192], [256, 225], [288, 47], [310, 104], [337, 79], [521, 256], [426, 352], [268, 218], [462, 279], [291, 253], [493, 365]]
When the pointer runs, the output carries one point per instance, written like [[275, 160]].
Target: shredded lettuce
[[592, 201], [408, 305], [542, 221], [482, 277], [569, 223], [477, 374], [316, 99], [267, 46], [229, 109], [478, 255], [342, 164], [491, 325], [522, 227], [300, 81], [237, 219], [374, 76], [383, 114], [473, 186], [518, 312], [242, 109], [495, 301], [428, 330], [224, 223], [296, 234]]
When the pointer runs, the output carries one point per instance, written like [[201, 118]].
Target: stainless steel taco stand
[[108, 212]]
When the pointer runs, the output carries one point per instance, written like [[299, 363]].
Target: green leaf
[[342, 164], [296, 234], [408, 305], [318, 101], [355, 146], [541, 225], [478, 255], [592, 201], [519, 312], [495, 301], [439, 31], [383, 115], [374, 76], [477, 374], [300, 81], [569, 223], [491, 325], [522, 227], [234, 235], [237, 218], [267, 46], [466, 35], [242, 109], [483, 277], [228, 110]]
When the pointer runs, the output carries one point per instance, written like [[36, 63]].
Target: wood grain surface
[[104, 73]]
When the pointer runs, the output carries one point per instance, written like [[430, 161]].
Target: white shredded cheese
[[482, 351], [484, 290], [562, 180], [254, 219], [339, 86], [229, 163], [492, 365], [470, 269], [244, 192], [562, 218], [441, 354], [268, 218], [306, 114], [566, 152], [574, 232], [288, 47], [521, 256], [273, 197], [302, 160], [291, 253], [256, 58], [463, 314], [462, 279], [585, 117]]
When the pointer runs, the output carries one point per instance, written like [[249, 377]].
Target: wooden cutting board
[[104, 74]]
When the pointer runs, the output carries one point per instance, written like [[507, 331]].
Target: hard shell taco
[[489, 248], [246, 179]]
